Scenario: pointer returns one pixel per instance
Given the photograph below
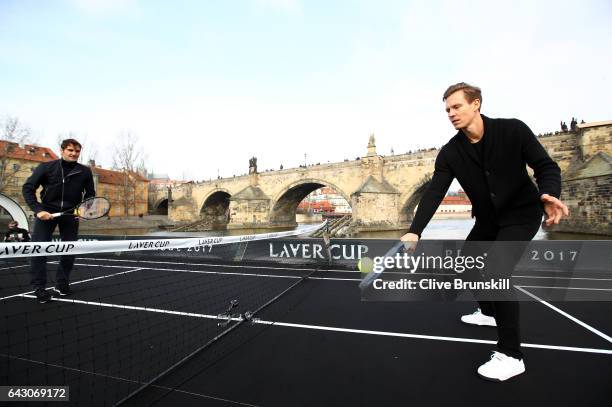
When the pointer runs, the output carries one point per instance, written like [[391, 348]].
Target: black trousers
[[43, 229], [506, 313]]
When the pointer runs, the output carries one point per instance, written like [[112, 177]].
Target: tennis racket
[[91, 208], [368, 265]]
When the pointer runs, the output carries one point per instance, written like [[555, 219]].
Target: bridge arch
[[285, 203], [215, 208], [160, 207], [411, 202]]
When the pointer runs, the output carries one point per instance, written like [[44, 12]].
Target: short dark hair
[[471, 92], [70, 141]]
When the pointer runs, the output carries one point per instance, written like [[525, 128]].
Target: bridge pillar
[[184, 208], [375, 206], [249, 208]]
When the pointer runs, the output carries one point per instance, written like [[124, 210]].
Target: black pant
[[43, 229], [506, 313]]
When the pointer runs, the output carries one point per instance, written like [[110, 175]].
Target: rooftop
[[28, 152]]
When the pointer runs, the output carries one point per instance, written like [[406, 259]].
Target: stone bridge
[[383, 191]]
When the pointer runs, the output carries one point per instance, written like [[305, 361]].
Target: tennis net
[[137, 313]]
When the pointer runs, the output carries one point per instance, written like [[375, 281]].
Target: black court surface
[[317, 344]]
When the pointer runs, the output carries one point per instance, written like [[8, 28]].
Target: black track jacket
[[60, 191], [500, 183]]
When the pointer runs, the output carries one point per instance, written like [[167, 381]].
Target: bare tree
[[14, 134], [129, 158]]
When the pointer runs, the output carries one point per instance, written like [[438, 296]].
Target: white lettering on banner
[[58, 248], [362, 250], [314, 251], [20, 250], [209, 241], [157, 244]]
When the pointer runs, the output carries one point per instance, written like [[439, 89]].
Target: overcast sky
[[205, 85]]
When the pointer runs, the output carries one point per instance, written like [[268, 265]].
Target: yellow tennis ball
[[365, 265]]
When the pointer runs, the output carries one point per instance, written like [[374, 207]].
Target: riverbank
[[453, 215], [155, 225], [147, 222]]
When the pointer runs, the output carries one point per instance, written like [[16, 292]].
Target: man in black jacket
[[15, 233], [65, 183], [489, 157]]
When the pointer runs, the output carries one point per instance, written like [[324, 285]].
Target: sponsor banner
[[59, 248], [344, 253], [539, 256]]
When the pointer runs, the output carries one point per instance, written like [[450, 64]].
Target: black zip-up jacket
[[60, 191], [499, 186]]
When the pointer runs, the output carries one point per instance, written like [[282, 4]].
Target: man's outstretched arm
[[436, 191]]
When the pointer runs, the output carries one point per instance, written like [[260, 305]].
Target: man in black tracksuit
[[65, 183], [489, 157]]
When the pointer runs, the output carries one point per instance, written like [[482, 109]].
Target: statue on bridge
[[372, 146], [573, 124], [253, 165]]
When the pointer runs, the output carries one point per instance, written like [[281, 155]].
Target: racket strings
[[93, 208]]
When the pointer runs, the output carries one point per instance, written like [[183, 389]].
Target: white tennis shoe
[[478, 318], [501, 367]]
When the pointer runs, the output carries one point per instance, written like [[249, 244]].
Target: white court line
[[104, 265], [15, 267], [135, 308], [431, 337], [201, 271], [336, 329], [565, 314], [265, 275], [335, 279], [77, 282], [229, 273], [566, 288], [567, 278]]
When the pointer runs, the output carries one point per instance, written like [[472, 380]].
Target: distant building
[[454, 203], [337, 201], [162, 181], [323, 207], [16, 164], [123, 189], [458, 203]]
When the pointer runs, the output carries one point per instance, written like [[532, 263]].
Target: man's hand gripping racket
[[91, 208]]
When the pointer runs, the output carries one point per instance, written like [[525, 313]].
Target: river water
[[437, 229]]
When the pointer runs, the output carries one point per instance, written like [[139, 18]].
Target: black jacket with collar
[[60, 191], [499, 187]]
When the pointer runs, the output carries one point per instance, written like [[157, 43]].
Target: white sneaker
[[501, 367], [478, 318]]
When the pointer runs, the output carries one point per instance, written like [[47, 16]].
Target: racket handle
[[56, 214]]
